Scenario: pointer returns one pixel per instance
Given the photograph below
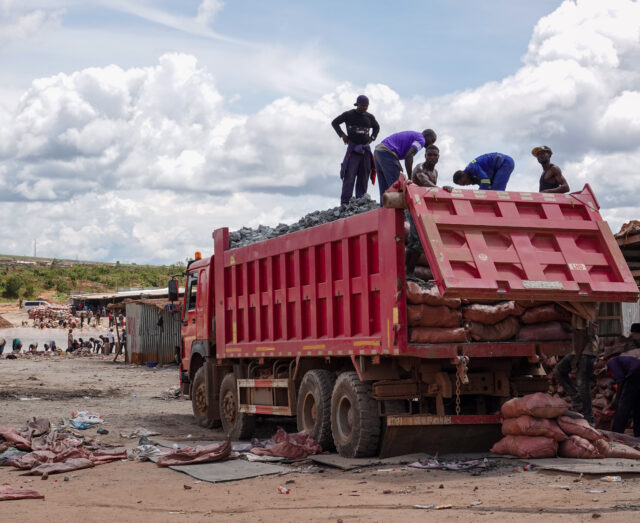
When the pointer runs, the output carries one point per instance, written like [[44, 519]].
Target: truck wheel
[[314, 406], [237, 425], [355, 423], [199, 401]]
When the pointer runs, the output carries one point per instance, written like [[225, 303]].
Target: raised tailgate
[[499, 244]]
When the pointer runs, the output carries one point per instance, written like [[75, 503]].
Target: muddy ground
[[129, 397]]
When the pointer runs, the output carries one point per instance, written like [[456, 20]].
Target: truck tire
[[314, 406], [355, 423], [199, 401], [237, 425]]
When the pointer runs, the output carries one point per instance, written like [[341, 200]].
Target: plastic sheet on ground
[[7, 492], [434, 464], [92, 418], [290, 446], [56, 468], [198, 454], [10, 455], [145, 453]]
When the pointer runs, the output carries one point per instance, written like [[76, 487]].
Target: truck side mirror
[[173, 290]]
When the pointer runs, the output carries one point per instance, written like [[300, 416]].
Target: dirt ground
[[129, 397]]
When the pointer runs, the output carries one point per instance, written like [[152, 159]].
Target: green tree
[[12, 286]]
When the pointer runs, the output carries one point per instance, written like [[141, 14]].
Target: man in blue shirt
[[399, 146], [491, 171]]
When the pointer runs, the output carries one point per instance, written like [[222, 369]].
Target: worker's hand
[[447, 188], [345, 139]]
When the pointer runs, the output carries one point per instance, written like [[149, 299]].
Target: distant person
[[424, 174], [357, 165], [551, 179], [399, 146], [625, 370], [3, 342], [111, 337], [16, 345], [70, 339], [581, 360], [490, 171]]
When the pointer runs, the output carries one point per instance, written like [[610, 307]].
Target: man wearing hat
[[490, 171], [551, 179], [357, 165]]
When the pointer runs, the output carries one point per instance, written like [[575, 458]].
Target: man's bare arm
[[556, 176], [421, 178], [408, 161]]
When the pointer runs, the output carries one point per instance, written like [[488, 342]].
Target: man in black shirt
[[357, 165], [551, 179]]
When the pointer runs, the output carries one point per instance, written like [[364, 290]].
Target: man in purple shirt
[[399, 146]]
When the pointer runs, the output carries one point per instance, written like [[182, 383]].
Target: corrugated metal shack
[[153, 331]]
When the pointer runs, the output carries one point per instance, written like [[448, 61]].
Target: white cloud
[[207, 10], [141, 164], [22, 26]]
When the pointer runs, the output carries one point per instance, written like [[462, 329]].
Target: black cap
[[362, 100], [635, 327]]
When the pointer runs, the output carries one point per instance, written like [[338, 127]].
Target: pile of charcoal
[[247, 236]]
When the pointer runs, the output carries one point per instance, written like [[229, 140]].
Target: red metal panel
[[336, 289], [520, 245]]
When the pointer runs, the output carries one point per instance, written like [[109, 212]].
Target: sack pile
[[435, 319], [541, 426]]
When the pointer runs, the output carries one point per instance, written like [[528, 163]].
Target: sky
[[129, 131]]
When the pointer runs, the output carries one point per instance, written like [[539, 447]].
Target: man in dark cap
[[490, 171], [551, 179], [399, 146], [357, 165]]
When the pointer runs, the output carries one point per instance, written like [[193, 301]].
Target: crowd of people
[[489, 171], [105, 344]]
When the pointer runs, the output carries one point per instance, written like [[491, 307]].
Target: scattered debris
[[434, 464], [611, 479], [198, 454], [7, 492], [139, 432], [289, 446], [283, 490]]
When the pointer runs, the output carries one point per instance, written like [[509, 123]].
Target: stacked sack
[[541, 426], [435, 319]]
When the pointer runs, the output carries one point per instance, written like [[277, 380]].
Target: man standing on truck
[[551, 179], [490, 171], [424, 174], [399, 146], [581, 360], [357, 165]]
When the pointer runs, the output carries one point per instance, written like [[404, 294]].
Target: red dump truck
[[316, 324]]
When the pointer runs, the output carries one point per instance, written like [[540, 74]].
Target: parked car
[[28, 305]]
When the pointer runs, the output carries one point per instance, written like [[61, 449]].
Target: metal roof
[[138, 293]]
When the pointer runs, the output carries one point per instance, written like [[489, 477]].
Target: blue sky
[[427, 48], [130, 130]]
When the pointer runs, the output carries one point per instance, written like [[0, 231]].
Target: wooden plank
[[628, 240]]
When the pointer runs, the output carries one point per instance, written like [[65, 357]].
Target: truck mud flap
[[408, 434]]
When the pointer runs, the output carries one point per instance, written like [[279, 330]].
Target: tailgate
[[516, 245]]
